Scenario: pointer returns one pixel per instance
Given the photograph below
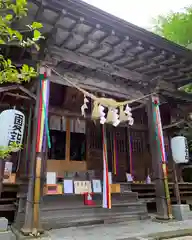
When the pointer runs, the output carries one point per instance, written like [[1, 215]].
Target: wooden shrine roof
[[83, 40]]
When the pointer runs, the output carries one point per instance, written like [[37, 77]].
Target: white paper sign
[[68, 186], [129, 177], [97, 186], [8, 167], [51, 177], [110, 177], [82, 187]]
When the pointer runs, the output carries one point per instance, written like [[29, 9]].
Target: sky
[[139, 12]]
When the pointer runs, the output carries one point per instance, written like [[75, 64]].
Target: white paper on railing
[[51, 178], [68, 186], [97, 186]]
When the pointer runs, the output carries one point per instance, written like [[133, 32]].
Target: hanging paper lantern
[[12, 123], [180, 151]]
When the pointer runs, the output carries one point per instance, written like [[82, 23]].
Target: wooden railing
[[147, 191]]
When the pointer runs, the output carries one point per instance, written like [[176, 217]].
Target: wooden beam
[[96, 84], [89, 62], [17, 96], [173, 124], [17, 87], [68, 114]]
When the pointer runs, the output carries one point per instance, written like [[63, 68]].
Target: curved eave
[[96, 16], [87, 41]]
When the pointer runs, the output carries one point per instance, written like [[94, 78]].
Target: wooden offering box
[[53, 189], [115, 188]]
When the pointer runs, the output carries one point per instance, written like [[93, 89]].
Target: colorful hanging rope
[[106, 185], [161, 148], [42, 127]]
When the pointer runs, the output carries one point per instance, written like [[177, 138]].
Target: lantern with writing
[[12, 123], [180, 151]]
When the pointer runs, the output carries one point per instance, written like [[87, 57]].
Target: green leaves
[[187, 88], [11, 74], [8, 17], [36, 35], [175, 26], [8, 35], [25, 38], [36, 25], [5, 151]]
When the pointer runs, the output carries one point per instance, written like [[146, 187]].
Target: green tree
[[11, 14], [176, 27]]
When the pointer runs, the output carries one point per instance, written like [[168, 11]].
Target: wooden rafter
[[89, 62], [96, 84], [17, 87]]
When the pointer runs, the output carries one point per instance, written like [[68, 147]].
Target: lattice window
[[138, 141], [122, 144], [95, 136]]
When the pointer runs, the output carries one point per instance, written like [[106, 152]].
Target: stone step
[[58, 216], [125, 187], [94, 210], [61, 222], [71, 201]]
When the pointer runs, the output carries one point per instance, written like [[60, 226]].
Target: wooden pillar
[[161, 202], [28, 219], [68, 135]]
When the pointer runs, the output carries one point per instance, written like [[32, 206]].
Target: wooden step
[[8, 199], [69, 210], [7, 207]]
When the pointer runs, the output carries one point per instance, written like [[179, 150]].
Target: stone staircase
[[59, 211], [65, 211]]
